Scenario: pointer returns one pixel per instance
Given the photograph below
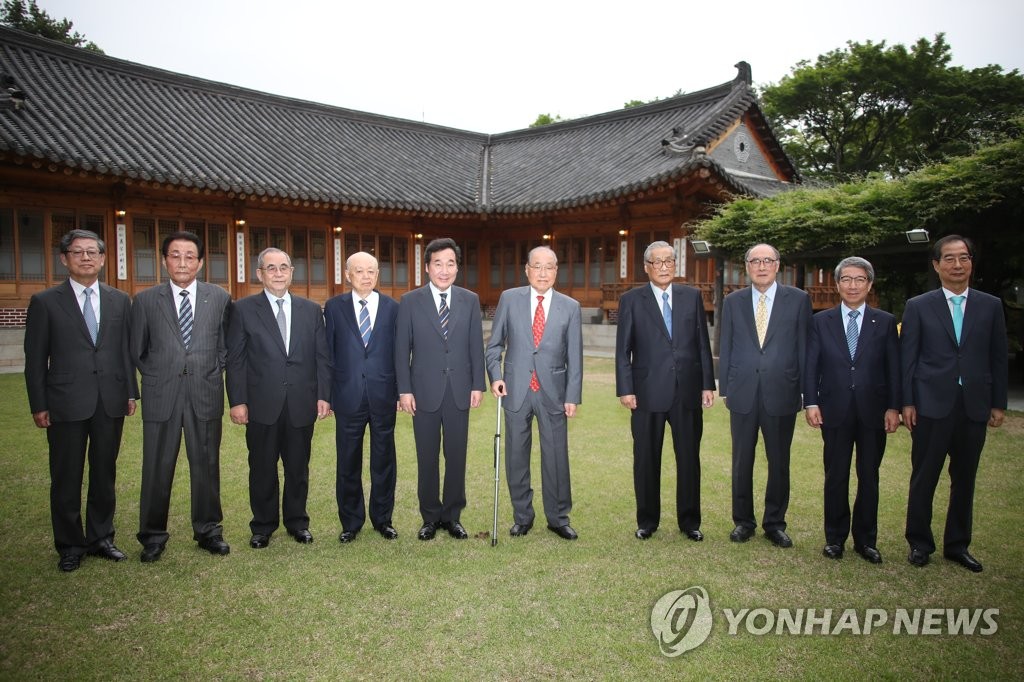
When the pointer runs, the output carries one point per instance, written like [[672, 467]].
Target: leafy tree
[[545, 120], [29, 17], [872, 108]]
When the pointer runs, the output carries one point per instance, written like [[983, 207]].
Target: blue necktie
[[364, 323], [442, 313], [90, 316], [958, 315], [185, 320], [666, 313], [852, 332]]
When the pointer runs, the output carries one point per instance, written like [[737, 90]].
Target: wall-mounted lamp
[[418, 235], [337, 229], [623, 233], [546, 237], [240, 223], [120, 213], [918, 236], [701, 247]]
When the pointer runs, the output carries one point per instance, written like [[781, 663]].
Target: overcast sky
[[492, 66]]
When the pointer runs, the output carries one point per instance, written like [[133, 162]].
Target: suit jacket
[[424, 359], [558, 360], [357, 369], [657, 369], [870, 383], [778, 367], [64, 372], [161, 358], [933, 364], [261, 374]]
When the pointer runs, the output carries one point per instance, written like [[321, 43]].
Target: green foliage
[[872, 108], [531, 608], [29, 17], [545, 120]]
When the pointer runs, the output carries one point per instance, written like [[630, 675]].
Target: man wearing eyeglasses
[[761, 363], [541, 334], [81, 384], [178, 344], [852, 393], [955, 375], [279, 384], [664, 373]]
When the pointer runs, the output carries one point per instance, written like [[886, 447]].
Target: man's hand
[[498, 388], [996, 420], [131, 407], [407, 403], [42, 419], [628, 401], [323, 409], [240, 414], [570, 410], [813, 416], [892, 421], [909, 417], [707, 398], [475, 398]]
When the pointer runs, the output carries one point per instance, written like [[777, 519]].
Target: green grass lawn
[[533, 607]]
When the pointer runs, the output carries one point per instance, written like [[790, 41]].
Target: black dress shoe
[[455, 529], [107, 550], [347, 536], [427, 531], [151, 553], [694, 535], [215, 545], [520, 529], [302, 536], [965, 560], [778, 538], [69, 562], [259, 541], [869, 553], [918, 557], [644, 533], [833, 551], [741, 534], [387, 531], [565, 532]]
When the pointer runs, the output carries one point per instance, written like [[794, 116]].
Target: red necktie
[[538, 333]]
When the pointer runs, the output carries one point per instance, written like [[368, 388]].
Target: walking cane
[[497, 473]]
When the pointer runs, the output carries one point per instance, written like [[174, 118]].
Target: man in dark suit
[[955, 375], [361, 341], [852, 393], [763, 342], [439, 364], [278, 377], [178, 343], [81, 384], [541, 334], [664, 373]]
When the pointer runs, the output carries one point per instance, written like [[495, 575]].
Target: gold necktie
[[761, 319]]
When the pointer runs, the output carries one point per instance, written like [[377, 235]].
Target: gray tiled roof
[[113, 117]]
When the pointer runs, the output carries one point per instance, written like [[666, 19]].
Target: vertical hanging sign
[[240, 258], [337, 261], [122, 252]]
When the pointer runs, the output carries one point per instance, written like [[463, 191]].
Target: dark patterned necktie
[[852, 332], [185, 320], [442, 313]]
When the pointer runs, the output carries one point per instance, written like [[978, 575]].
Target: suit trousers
[[778, 438], [349, 435], [963, 440], [554, 459], [839, 443], [99, 438], [648, 442], [427, 430], [161, 441], [291, 444]]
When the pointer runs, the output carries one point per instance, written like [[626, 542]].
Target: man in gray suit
[[279, 384], [439, 366], [178, 333], [81, 384], [761, 362], [541, 334]]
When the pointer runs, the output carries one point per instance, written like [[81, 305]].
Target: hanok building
[[135, 153]]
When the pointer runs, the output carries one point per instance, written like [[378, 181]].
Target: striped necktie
[[185, 320], [364, 323], [852, 332], [442, 313]]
